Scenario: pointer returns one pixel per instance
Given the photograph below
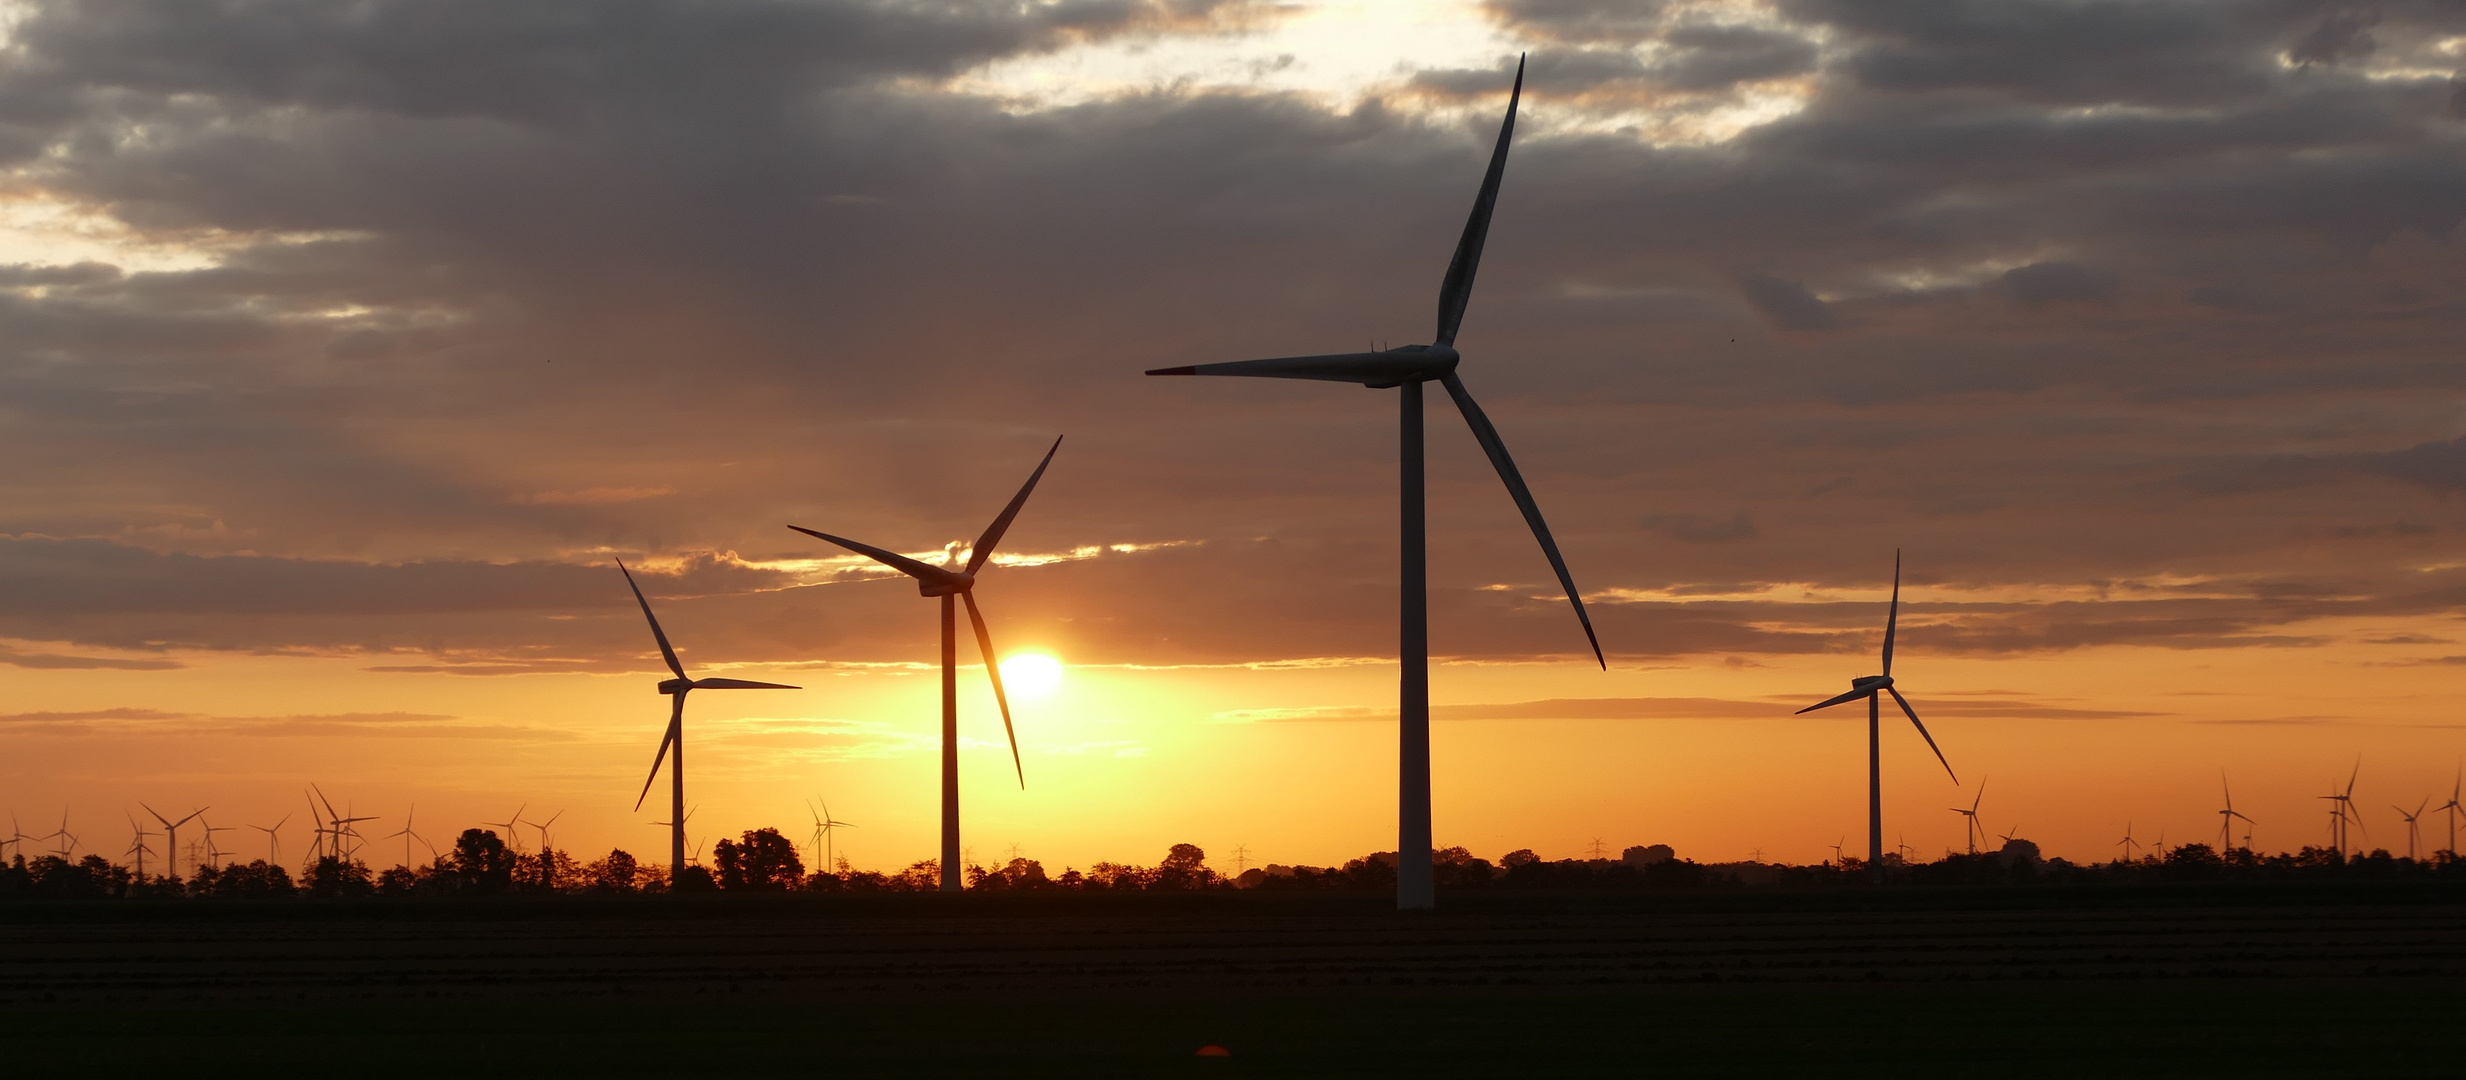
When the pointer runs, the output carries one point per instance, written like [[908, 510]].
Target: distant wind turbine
[[2453, 808], [824, 828], [171, 837], [2414, 829], [1872, 688], [273, 839], [2127, 843], [676, 689], [137, 847], [2227, 816], [955, 586], [1969, 817], [1406, 368], [2342, 811], [513, 839], [547, 852], [406, 835]]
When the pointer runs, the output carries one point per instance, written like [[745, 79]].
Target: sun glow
[[1032, 675]]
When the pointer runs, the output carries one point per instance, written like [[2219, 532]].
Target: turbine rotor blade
[[1892, 620], [1832, 701], [666, 652], [1922, 731], [1487, 436], [896, 561], [1394, 367], [993, 533], [1456, 290], [993, 669], [740, 684], [676, 719]]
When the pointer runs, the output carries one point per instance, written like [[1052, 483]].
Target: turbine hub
[[675, 686], [1872, 682], [1419, 363], [961, 581]]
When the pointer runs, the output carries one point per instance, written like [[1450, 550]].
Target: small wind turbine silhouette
[[137, 848], [1872, 688], [406, 835], [171, 831], [2453, 808], [1406, 368], [547, 853], [1974, 831], [2127, 843], [2414, 830], [949, 583], [2227, 816], [513, 838], [824, 826], [273, 840], [214, 851], [2342, 811], [2007, 837], [676, 689], [1837, 858]]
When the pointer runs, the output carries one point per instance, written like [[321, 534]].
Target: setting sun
[[1032, 675]]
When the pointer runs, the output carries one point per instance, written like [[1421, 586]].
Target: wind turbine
[[824, 825], [2414, 831], [513, 839], [67, 843], [2127, 843], [1406, 368], [2453, 808], [137, 847], [2342, 810], [1837, 858], [409, 816], [2226, 817], [947, 583], [273, 839], [1872, 688], [1975, 831], [676, 689], [547, 854], [171, 835], [214, 851]]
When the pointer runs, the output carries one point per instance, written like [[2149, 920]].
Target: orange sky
[[332, 398]]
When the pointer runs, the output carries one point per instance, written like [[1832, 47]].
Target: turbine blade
[[1892, 620], [740, 684], [894, 560], [666, 652], [1922, 731], [1457, 289], [1487, 436], [1390, 368], [993, 668], [676, 719], [1832, 701], [993, 532]]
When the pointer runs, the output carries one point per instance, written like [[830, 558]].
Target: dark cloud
[[498, 291], [2342, 35]]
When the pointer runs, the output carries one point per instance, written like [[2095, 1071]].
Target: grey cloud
[[2045, 282], [1787, 303], [58, 662], [1580, 21], [2343, 35], [1701, 529]]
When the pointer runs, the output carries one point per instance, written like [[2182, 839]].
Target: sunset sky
[[345, 346]]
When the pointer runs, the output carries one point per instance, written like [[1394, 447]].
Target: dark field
[[2241, 982]]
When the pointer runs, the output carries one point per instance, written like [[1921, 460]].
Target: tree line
[[763, 860]]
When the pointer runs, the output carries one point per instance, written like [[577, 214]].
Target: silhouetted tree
[[692, 879], [332, 878], [259, 880], [763, 861], [481, 863], [616, 873]]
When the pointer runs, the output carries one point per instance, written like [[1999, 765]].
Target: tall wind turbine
[[2227, 816], [948, 583], [2342, 811], [407, 835], [1976, 831], [138, 846], [171, 837], [1873, 688], [676, 689], [1406, 368], [2127, 843]]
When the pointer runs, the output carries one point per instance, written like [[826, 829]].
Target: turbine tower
[[2453, 808], [2414, 827], [676, 689], [2226, 817], [1873, 688], [1406, 368], [960, 586], [1976, 831], [171, 837]]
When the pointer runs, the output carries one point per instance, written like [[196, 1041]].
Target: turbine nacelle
[[675, 686], [952, 583], [1868, 683]]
